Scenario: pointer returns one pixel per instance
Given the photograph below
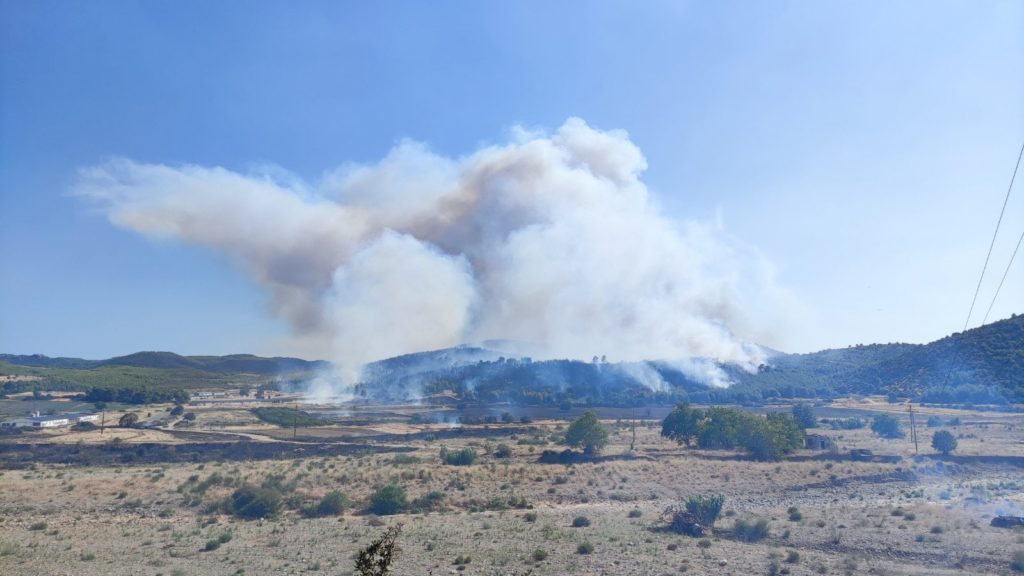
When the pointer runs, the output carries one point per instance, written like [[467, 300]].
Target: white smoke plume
[[548, 239]]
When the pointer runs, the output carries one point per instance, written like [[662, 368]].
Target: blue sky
[[864, 148]]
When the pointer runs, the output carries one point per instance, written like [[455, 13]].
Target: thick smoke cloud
[[550, 240]]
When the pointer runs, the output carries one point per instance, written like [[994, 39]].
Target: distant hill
[[243, 363], [982, 365], [150, 375]]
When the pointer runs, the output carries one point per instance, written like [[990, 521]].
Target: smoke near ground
[[551, 240]]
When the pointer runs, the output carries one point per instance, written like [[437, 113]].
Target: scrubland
[[513, 515]]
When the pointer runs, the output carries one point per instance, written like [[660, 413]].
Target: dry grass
[[134, 519]]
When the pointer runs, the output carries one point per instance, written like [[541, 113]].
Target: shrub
[[37, 526], [585, 548], [463, 457], [211, 545], [189, 416], [332, 504], [635, 513], [792, 557], [580, 522], [387, 500], [750, 530], [539, 555], [886, 426], [84, 427], [954, 421], [794, 514], [934, 422], [705, 508], [178, 410], [503, 451], [253, 502], [128, 420], [530, 516], [944, 441], [376, 558]]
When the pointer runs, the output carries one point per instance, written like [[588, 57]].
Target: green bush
[[253, 502], [503, 451], [463, 457], [794, 514], [585, 548], [580, 522], [705, 508], [750, 530], [944, 441], [934, 422], [387, 500], [886, 426], [539, 555], [332, 504]]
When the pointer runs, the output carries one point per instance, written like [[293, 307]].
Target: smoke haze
[[551, 240]]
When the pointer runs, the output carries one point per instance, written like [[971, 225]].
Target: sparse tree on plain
[[587, 431], [944, 441]]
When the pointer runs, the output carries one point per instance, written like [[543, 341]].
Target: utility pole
[[103, 421], [295, 421], [632, 444], [913, 426]]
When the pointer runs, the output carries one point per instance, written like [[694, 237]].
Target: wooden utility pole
[[632, 444], [295, 422], [103, 421]]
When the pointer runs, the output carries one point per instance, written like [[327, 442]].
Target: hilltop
[[984, 365]]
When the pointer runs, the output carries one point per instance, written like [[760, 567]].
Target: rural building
[[76, 417], [48, 421], [818, 442]]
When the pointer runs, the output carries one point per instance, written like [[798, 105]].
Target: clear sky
[[864, 148]]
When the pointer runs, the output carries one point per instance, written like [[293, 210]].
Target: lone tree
[[804, 415], [682, 424], [944, 441], [886, 426], [587, 431], [128, 420]]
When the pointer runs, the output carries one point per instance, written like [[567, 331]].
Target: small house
[[817, 442]]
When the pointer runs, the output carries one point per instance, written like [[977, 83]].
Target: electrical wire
[[994, 234], [1005, 272]]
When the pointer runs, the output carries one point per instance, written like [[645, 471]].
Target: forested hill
[[235, 363], [982, 365]]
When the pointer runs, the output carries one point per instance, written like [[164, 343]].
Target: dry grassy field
[[513, 515]]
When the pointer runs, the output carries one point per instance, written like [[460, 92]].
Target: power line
[[1005, 272], [994, 234]]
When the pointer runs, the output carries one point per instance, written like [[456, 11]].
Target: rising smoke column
[[548, 239]]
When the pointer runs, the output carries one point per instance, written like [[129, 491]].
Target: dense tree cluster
[[135, 396], [765, 437]]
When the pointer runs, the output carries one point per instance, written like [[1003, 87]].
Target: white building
[[48, 421]]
